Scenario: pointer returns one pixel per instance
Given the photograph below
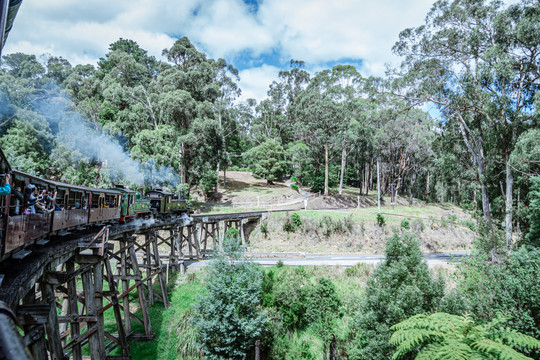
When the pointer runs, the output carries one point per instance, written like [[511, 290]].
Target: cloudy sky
[[257, 37]]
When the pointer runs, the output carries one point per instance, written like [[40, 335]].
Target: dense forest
[[458, 121]]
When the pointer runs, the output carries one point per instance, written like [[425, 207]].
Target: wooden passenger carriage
[[74, 206]]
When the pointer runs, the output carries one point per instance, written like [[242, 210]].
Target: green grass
[[393, 215], [164, 345]]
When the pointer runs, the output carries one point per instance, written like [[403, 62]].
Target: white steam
[[91, 142]]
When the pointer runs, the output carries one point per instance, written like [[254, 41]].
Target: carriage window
[[77, 200], [60, 199], [111, 201], [95, 200]]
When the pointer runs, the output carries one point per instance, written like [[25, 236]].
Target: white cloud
[[254, 82], [315, 31]]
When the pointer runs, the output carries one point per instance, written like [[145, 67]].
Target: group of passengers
[[38, 201], [32, 201]]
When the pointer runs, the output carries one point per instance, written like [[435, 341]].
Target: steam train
[[72, 208]]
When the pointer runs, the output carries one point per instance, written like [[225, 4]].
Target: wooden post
[[34, 335], [122, 340], [242, 235], [98, 285], [73, 309], [53, 334], [159, 269], [142, 298], [91, 310], [125, 281], [189, 240], [196, 241], [148, 264]]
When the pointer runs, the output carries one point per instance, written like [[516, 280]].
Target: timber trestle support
[[81, 295]]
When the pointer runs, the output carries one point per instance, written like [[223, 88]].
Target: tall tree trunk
[[475, 207], [459, 192], [486, 206], [224, 176], [411, 184], [427, 189], [369, 182], [343, 162], [378, 187], [183, 176], [216, 190], [509, 198], [326, 169]]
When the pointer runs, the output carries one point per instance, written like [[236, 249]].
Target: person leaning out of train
[[49, 199], [6, 189], [41, 203], [30, 193]]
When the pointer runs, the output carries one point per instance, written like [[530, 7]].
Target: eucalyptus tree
[[479, 63], [324, 111]]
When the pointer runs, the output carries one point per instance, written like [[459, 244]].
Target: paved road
[[334, 260]]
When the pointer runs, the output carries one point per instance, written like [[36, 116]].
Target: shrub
[[297, 221], [381, 220], [405, 223], [399, 287], [279, 264], [264, 229], [289, 225], [233, 234], [208, 183], [468, 223], [533, 236], [511, 288], [360, 270], [227, 317]]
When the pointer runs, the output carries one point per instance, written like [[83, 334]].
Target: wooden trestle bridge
[[53, 301]]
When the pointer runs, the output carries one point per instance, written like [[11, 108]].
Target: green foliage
[[470, 223], [301, 302], [533, 236], [490, 241], [295, 187], [208, 183], [361, 270], [405, 223], [292, 222], [264, 228], [400, 287], [452, 337], [228, 317], [267, 160], [331, 225], [296, 219], [233, 234], [381, 221], [511, 287]]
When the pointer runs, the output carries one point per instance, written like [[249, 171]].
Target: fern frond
[[414, 337], [498, 350], [453, 350], [515, 339]]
